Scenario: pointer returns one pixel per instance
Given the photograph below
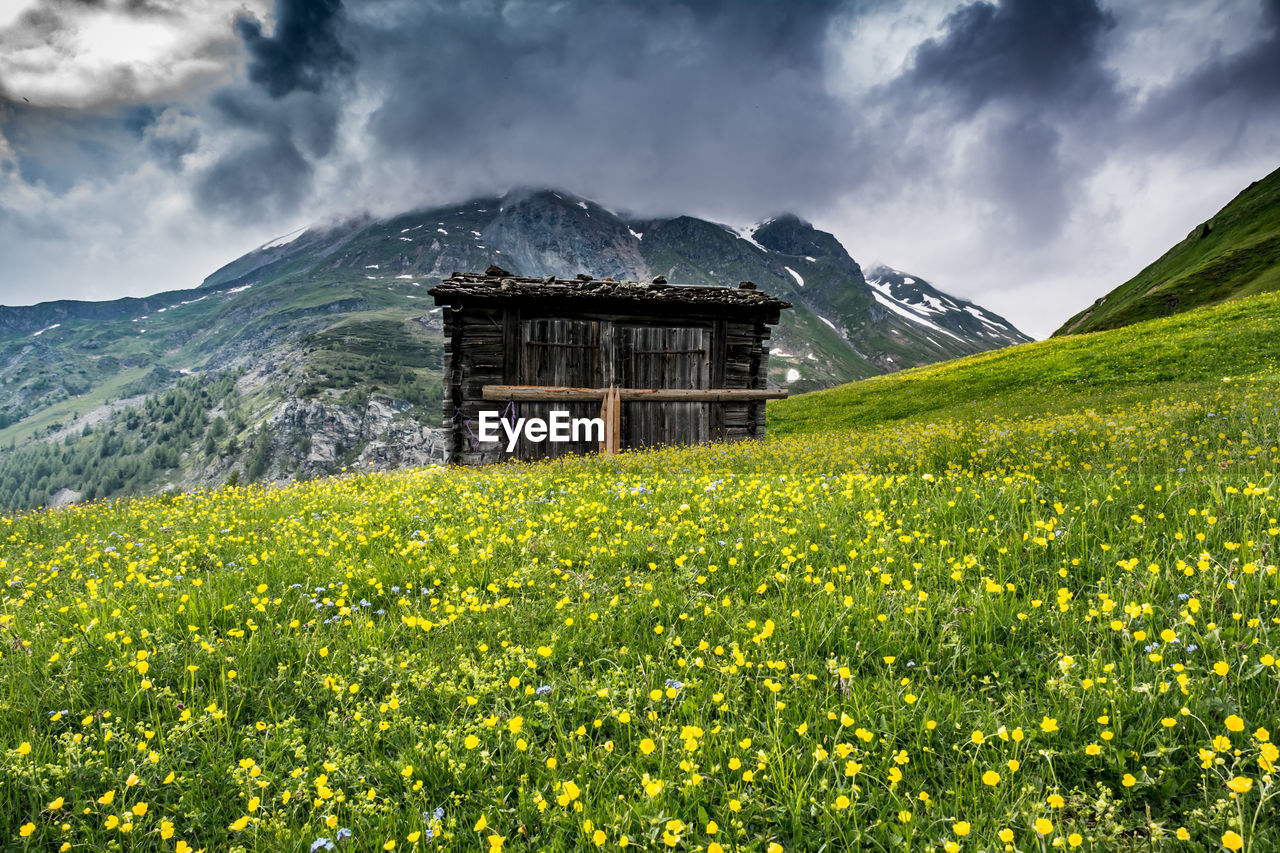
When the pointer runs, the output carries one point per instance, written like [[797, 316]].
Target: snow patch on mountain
[[903, 311], [746, 232], [984, 318]]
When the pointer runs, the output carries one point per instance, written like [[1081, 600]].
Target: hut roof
[[497, 285]]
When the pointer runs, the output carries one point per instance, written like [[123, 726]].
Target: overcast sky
[[1027, 154]]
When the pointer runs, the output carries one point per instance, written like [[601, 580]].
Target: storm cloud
[[623, 101], [1030, 84], [1225, 101], [1029, 155], [303, 53], [1040, 56]]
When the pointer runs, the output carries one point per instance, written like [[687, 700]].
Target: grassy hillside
[[1184, 353], [1046, 620], [1234, 254]]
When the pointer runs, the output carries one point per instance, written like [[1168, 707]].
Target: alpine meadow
[[695, 426], [1039, 614]]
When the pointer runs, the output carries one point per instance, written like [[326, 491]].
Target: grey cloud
[[302, 53], [675, 105], [51, 53], [1238, 93], [1046, 55], [1019, 166], [173, 135], [311, 121], [651, 104], [60, 149], [1026, 83], [263, 179], [286, 120], [270, 168]]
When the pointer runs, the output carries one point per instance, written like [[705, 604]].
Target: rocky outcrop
[[547, 233], [313, 437], [64, 498]]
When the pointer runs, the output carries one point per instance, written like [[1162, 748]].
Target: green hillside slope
[[1197, 349], [1234, 254], [992, 630]]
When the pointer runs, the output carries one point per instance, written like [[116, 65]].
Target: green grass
[[1045, 620], [1234, 254], [62, 412], [1188, 352]]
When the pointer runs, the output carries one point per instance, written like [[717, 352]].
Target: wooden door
[[559, 352], [663, 357]]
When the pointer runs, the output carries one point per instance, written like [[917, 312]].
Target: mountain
[[1235, 253], [321, 350], [841, 328]]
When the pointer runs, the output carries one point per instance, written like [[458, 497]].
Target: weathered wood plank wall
[[519, 343]]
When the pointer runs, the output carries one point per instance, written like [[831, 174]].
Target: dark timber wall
[[505, 330]]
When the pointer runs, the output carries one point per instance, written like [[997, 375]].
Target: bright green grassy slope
[[1236, 253], [1180, 353], [1027, 603]]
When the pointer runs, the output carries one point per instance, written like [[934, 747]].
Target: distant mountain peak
[[788, 234]]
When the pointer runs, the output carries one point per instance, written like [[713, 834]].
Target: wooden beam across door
[[611, 400]]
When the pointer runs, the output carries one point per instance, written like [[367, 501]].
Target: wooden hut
[[656, 363]]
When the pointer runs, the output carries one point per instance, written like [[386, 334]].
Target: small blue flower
[[344, 834], [543, 690], [438, 814], [321, 844], [671, 682]]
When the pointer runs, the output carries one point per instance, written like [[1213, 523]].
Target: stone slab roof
[[496, 284]]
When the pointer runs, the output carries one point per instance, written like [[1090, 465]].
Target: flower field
[[989, 633]]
